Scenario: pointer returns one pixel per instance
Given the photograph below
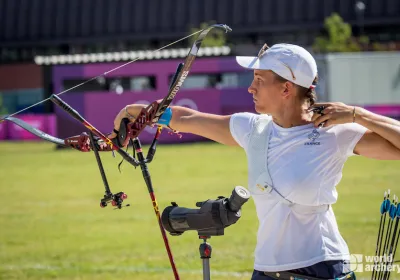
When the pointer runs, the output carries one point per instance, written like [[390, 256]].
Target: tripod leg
[[206, 269]]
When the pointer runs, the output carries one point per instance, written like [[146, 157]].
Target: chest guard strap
[[258, 167]]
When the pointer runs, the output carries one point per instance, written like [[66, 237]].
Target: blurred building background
[[48, 46]]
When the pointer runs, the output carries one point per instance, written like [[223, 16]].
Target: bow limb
[[37, 132], [183, 71], [80, 142]]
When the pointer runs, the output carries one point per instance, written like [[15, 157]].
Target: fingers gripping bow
[[130, 130]]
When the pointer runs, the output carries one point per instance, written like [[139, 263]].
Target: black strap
[[133, 154], [285, 275]]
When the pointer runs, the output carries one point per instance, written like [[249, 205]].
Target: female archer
[[296, 150]]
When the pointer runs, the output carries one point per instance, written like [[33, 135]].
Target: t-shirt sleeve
[[240, 126], [347, 137]]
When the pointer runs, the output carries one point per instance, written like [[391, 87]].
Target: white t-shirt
[[305, 164]]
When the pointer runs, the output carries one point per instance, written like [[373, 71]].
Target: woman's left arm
[[380, 141]]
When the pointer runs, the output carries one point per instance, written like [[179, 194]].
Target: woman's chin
[[260, 109]]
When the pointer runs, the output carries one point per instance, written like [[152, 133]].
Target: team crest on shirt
[[313, 136]]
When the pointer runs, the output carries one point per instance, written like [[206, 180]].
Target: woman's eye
[[257, 80]]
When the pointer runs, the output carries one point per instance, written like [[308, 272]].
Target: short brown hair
[[304, 93]]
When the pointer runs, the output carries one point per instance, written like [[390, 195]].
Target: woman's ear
[[288, 89]]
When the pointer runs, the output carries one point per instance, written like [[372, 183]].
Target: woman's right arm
[[211, 126]]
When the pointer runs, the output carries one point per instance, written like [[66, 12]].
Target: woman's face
[[267, 91]]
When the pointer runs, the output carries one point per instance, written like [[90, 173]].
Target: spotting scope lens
[[238, 197]]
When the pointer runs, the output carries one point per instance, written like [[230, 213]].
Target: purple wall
[[389, 110], [66, 125], [3, 130], [100, 108]]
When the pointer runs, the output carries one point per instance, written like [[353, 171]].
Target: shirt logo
[[313, 136]]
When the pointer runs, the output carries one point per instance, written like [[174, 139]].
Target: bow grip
[[122, 136], [130, 130]]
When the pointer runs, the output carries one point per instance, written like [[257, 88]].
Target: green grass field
[[51, 225]]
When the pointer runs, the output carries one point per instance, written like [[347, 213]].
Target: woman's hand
[[130, 112], [124, 113], [333, 113]]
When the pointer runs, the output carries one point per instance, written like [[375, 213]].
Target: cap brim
[[249, 62], [267, 63]]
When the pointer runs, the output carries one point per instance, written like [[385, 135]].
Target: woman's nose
[[251, 89]]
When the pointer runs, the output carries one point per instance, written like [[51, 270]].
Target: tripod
[[210, 220], [205, 254]]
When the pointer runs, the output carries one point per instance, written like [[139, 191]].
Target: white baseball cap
[[291, 62]]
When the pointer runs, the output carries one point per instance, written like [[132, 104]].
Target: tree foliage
[[216, 38], [340, 38]]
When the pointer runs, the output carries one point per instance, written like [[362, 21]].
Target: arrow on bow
[[129, 131]]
